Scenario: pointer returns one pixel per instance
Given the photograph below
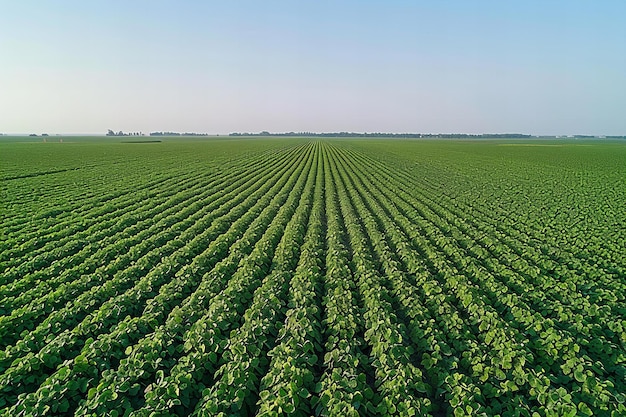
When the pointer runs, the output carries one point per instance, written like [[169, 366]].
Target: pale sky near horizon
[[457, 66]]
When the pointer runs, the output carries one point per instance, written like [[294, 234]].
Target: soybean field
[[313, 277]]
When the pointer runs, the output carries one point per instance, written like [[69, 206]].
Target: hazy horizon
[[539, 68]]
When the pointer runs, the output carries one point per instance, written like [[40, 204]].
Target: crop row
[[307, 278]]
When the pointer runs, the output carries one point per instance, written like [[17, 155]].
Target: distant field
[[312, 277]]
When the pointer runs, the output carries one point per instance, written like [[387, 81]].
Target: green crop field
[[313, 277]]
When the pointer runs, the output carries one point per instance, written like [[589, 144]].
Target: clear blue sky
[[538, 67]]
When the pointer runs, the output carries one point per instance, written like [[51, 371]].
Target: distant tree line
[[386, 135], [120, 133], [178, 134]]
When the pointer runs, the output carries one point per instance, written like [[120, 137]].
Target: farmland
[[313, 277]]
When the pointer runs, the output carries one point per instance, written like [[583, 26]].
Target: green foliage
[[294, 277]]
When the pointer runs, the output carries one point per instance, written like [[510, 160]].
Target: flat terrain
[[313, 277]]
